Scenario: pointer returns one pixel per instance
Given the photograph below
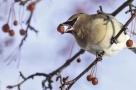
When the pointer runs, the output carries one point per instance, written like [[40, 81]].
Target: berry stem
[[92, 69], [19, 15], [22, 15], [71, 49], [14, 13], [10, 12], [95, 69]]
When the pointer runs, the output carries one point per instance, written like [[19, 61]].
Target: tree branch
[[48, 76], [125, 4]]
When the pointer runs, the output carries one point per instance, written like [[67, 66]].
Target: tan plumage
[[93, 33]]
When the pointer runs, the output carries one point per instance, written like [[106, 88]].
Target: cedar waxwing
[[93, 33]]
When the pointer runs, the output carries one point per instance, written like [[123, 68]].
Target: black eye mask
[[71, 23]]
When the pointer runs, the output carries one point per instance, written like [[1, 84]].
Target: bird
[[94, 33]]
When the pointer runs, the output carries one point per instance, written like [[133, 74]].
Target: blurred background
[[48, 49]]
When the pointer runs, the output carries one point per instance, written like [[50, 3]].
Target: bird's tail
[[133, 48]]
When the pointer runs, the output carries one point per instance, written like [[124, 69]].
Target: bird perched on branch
[[93, 33]]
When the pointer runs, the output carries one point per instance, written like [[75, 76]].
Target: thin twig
[[25, 79], [27, 28], [70, 83], [118, 10], [113, 40], [47, 76]]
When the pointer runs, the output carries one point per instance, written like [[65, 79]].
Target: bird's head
[[68, 26]]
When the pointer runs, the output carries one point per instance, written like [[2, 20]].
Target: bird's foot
[[113, 40], [99, 55]]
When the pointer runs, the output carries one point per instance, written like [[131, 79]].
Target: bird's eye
[[70, 22]]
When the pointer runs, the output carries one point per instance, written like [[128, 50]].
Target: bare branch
[[113, 40], [48, 76], [25, 79], [28, 26], [125, 4]]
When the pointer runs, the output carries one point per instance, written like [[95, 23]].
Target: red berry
[[31, 7], [89, 77], [60, 28], [129, 43], [15, 22], [11, 32], [78, 60], [5, 28], [22, 32], [94, 81]]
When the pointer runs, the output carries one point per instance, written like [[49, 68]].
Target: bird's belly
[[112, 50], [93, 49]]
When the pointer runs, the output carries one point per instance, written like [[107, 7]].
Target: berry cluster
[[92, 78], [6, 27]]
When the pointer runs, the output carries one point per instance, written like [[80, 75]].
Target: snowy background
[[47, 50]]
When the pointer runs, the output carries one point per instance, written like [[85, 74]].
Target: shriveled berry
[[11, 32], [129, 43], [78, 60], [60, 28], [15, 22], [31, 7], [22, 32], [89, 77], [94, 81], [5, 28]]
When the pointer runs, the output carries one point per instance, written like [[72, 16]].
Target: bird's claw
[[99, 55], [113, 40]]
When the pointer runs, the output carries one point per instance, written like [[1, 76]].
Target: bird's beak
[[65, 28]]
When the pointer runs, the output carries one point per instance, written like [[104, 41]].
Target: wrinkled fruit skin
[[15, 22], [129, 43], [94, 81], [22, 32], [31, 7], [11, 32], [6, 28], [89, 77], [60, 28]]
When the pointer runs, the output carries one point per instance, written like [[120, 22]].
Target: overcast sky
[[47, 50]]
